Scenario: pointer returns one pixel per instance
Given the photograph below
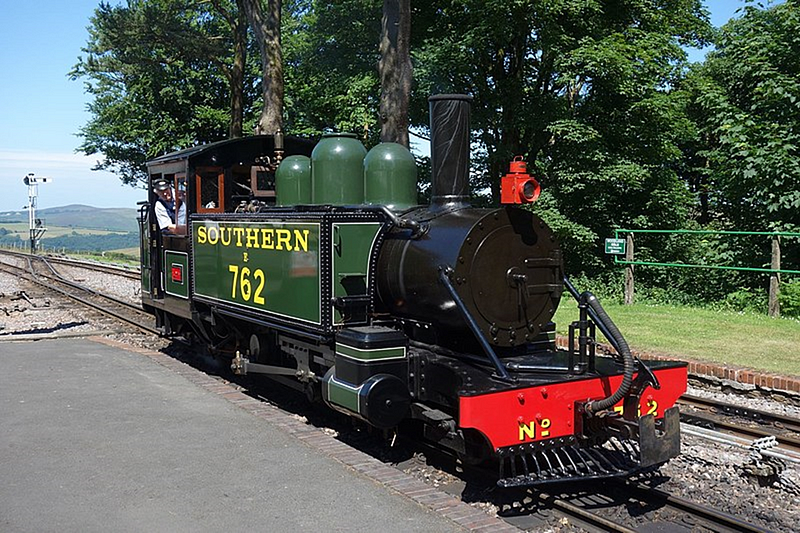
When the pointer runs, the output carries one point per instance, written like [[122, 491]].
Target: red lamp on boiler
[[518, 187]]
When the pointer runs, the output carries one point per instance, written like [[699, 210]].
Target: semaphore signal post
[[35, 225]]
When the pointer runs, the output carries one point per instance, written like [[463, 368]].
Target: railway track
[[608, 506], [660, 509], [724, 418], [88, 265], [39, 271], [778, 421], [96, 267], [592, 508]]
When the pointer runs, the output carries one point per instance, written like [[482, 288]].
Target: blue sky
[[42, 110]]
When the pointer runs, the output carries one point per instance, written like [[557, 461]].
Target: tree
[[395, 70], [330, 52], [582, 90], [235, 72], [746, 103], [266, 24], [164, 74]]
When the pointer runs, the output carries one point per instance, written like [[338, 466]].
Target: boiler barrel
[[507, 269]]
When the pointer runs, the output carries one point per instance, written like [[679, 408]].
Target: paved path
[[96, 438]]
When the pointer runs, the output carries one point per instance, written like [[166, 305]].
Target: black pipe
[[502, 373], [613, 334], [450, 136], [624, 351], [603, 329], [417, 229]]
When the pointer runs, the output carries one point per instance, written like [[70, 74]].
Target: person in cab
[[165, 206]]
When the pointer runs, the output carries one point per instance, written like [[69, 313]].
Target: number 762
[[242, 280]]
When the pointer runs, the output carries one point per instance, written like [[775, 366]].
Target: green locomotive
[[313, 264]]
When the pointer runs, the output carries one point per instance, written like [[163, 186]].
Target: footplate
[[567, 460]]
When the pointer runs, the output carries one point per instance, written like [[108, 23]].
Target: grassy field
[[130, 259], [741, 339], [133, 252], [80, 216], [22, 229]]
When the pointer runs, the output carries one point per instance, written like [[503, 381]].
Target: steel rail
[[787, 442], [104, 310], [137, 309], [780, 421], [707, 513], [446, 461], [739, 442], [584, 515], [62, 279], [563, 505], [97, 267], [77, 263], [650, 495]]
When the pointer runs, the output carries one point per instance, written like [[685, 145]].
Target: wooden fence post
[[629, 270], [775, 278]]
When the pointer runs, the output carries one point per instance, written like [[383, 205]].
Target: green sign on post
[[615, 246]]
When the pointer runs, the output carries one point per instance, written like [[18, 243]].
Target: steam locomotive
[[313, 264]]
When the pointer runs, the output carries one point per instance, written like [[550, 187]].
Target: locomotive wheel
[[259, 347], [313, 392]]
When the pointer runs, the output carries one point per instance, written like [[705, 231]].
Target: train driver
[[181, 203], [165, 206]]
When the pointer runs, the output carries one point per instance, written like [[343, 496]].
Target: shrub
[[789, 298], [745, 300], [608, 287]]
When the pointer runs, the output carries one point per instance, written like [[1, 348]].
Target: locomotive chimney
[[449, 149]]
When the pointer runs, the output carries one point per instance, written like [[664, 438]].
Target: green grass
[[132, 252], [128, 257], [741, 339], [23, 230]]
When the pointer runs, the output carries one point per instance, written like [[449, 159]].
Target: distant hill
[[80, 216]]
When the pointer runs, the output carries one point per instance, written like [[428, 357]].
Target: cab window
[[210, 197], [262, 181]]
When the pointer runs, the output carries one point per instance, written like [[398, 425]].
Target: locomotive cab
[[213, 179]]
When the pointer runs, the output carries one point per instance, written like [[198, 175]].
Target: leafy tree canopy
[[331, 55], [582, 90], [746, 101], [157, 72]]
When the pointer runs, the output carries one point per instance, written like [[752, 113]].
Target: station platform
[[101, 437]]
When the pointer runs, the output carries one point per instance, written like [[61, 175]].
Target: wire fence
[[626, 247]]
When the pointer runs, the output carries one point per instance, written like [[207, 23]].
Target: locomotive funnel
[[450, 148]]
